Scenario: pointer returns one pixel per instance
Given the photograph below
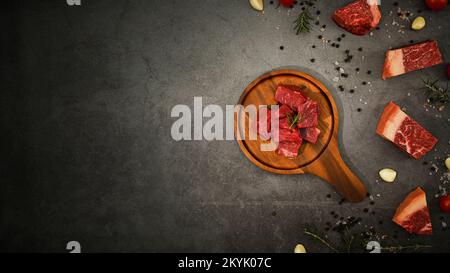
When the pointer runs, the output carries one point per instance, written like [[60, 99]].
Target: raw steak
[[289, 95], [396, 126], [407, 59], [308, 113], [289, 142], [413, 214], [310, 134], [358, 17]]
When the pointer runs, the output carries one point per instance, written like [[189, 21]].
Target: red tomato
[[436, 5], [286, 3], [444, 203]]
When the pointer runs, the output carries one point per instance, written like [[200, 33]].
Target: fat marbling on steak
[[397, 127], [403, 60], [413, 214], [358, 17]]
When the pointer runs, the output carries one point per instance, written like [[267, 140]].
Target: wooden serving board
[[322, 159]]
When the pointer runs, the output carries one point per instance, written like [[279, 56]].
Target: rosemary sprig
[[292, 120], [436, 93], [353, 242], [302, 23]]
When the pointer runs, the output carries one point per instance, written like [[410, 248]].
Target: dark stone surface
[[86, 151]]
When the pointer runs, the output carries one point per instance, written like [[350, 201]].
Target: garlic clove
[[257, 4], [299, 249], [388, 175], [447, 163], [418, 23]]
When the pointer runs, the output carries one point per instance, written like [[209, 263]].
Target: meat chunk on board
[[403, 60], [310, 134], [397, 127], [290, 96], [308, 114], [289, 142], [358, 17]]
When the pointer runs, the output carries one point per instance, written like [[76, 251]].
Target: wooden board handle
[[331, 167]]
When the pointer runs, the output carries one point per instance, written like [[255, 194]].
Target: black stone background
[[86, 152]]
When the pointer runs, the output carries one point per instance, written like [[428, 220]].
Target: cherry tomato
[[436, 5], [444, 203], [286, 3]]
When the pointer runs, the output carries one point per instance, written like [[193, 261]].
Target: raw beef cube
[[310, 134], [413, 214], [284, 109], [308, 113], [289, 149], [358, 17], [265, 134], [289, 142], [397, 127], [289, 135], [291, 96], [414, 57]]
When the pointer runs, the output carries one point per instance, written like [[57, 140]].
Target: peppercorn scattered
[[281, 47]]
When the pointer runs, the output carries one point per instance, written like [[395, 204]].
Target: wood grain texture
[[322, 159]]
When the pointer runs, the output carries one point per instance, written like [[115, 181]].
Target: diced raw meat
[[358, 17], [413, 214], [265, 134], [310, 134], [289, 142], [403, 60], [308, 113], [285, 109], [289, 149], [289, 135], [397, 127], [289, 95]]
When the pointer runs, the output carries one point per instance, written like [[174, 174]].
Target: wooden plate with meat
[[323, 158]]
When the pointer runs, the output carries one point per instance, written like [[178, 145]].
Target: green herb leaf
[[303, 22], [436, 93]]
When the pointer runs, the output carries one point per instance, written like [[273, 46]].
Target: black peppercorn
[[281, 47], [312, 60]]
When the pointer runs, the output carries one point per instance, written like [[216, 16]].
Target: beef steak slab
[[413, 214], [397, 127], [358, 17], [403, 60]]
